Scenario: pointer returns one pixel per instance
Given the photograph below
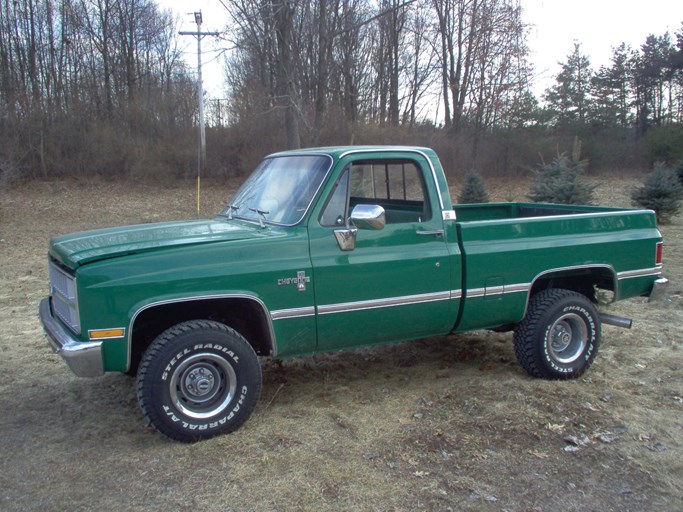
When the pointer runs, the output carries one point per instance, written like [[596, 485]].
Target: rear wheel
[[198, 379], [559, 336]]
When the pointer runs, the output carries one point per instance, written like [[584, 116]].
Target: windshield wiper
[[231, 208], [262, 216]]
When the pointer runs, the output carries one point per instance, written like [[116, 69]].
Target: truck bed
[[511, 249]]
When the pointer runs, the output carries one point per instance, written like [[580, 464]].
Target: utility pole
[[201, 139]]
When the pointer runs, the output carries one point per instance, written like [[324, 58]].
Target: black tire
[[198, 379], [559, 336]]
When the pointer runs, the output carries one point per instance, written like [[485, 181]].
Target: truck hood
[[77, 249]]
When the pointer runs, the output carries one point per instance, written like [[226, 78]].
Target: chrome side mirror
[[363, 216], [368, 216]]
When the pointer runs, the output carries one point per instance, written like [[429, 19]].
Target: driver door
[[395, 283]]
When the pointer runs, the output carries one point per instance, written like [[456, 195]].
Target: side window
[[396, 185], [336, 212], [398, 181]]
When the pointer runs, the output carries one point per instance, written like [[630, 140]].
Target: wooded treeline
[[90, 87], [98, 87], [358, 71], [630, 111]]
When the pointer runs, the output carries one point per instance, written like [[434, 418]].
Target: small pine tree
[[661, 191], [473, 190], [560, 182]]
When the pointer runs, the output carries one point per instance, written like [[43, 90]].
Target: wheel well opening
[[244, 315], [595, 283]]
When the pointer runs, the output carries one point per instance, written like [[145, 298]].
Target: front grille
[[64, 297]]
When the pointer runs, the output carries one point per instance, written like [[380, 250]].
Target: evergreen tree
[[611, 89], [570, 98], [560, 182], [661, 191], [653, 81], [473, 190]]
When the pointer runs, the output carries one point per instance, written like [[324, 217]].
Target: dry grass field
[[439, 424]]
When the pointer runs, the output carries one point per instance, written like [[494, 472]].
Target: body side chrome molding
[[345, 307], [645, 272], [473, 293], [498, 290], [406, 300], [516, 288], [281, 314]]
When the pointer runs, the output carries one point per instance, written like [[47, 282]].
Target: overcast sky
[[598, 25]]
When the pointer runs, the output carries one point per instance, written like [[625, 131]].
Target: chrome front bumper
[[83, 357]]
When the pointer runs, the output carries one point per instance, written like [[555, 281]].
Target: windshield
[[280, 190]]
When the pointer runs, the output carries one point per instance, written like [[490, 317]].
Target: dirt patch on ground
[[447, 423]]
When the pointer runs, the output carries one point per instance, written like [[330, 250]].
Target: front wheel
[[198, 379], [559, 336]]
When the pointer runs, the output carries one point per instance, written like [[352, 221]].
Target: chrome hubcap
[[203, 385], [568, 338]]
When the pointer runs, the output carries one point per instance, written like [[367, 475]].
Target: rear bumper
[[659, 289], [83, 357]]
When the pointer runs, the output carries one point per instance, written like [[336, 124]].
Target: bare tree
[[80, 78]]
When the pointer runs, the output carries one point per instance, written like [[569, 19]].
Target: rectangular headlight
[[64, 297]]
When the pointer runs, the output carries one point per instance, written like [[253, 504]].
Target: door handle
[[436, 232]]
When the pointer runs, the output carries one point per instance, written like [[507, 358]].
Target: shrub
[[473, 190], [560, 182], [663, 143], [661, 191]]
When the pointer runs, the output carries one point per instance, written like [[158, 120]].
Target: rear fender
[[582, 279]]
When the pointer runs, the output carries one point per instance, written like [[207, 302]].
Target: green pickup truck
[[327, 249]]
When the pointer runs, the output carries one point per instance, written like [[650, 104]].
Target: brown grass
[[449, 423]]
